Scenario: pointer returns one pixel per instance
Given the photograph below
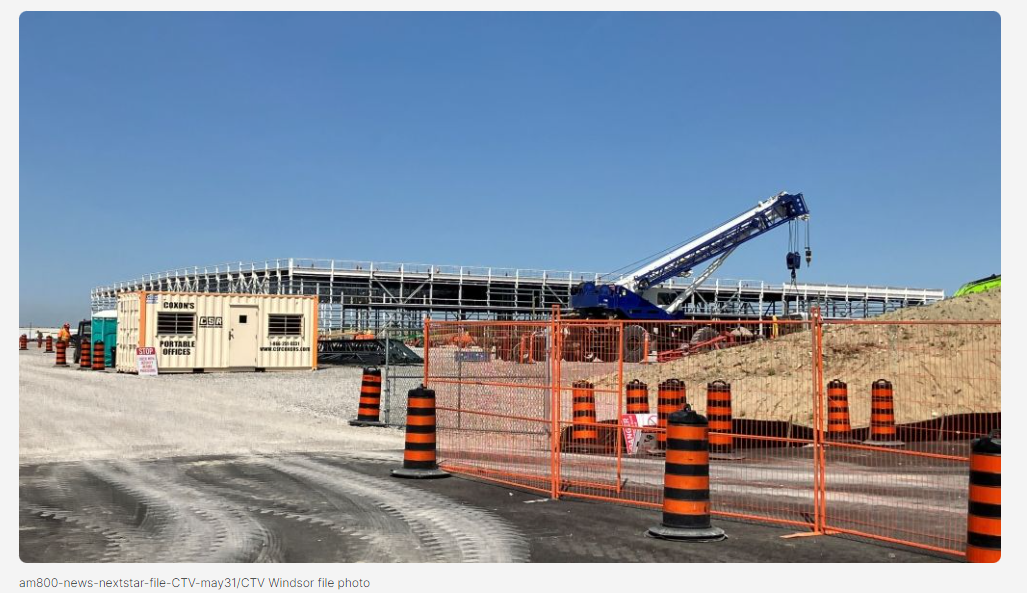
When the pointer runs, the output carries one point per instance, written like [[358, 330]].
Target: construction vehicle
[[365, 351], [982, 285], [80, 337], [633, 296]]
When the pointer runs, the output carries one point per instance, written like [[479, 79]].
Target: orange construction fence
[[543, 405]]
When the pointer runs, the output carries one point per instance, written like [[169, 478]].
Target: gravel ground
[[67, 415]]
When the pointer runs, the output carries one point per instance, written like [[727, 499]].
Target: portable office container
[[104, 326], [202, 332]]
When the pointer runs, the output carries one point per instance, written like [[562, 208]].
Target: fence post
[[427, 348], [819, 457], [618, 431], [556, 329]]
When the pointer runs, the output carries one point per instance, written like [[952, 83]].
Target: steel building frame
[[363, 295]]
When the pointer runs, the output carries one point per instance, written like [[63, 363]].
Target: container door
[[110, 339], [242, 336]]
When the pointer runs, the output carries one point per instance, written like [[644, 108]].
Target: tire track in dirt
[[449, 531], [183, 524], [370, 536], [254, 509]]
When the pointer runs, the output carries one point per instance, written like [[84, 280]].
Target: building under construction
[[359, 295]]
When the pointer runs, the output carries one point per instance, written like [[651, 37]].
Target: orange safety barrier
[[670, 397], [882, 416], [98, 356], [583, 429], [62, 354], [369, 410], [984, 516], [85, 355], [718, 413], [638, 397], [510, 417], [838, 426], [686, 481], [419, 449], [49, 345]]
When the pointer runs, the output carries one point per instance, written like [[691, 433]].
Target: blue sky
[[572, 141]]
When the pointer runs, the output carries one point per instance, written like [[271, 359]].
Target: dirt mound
[[983, 306], [938, 369]]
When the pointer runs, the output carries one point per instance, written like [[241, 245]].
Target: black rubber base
[[727, 456], [884, 443], [421, 474], [367, 423], [677, 534]]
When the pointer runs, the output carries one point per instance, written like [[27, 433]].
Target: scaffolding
[[372, 296]]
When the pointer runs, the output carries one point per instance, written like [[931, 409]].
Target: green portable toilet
[[105, 327]]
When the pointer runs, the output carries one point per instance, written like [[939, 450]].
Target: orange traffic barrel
[[84, 355], [49, 344], [583, 427], [370, 399], [686, 481], [984, 519], [670, 397], [62, 354], [838, 426], [419, 451], [718, 409], [23, 342], [882, 416], [638, 397], [98, 355]]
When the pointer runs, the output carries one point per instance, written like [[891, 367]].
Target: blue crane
[[622, 299]]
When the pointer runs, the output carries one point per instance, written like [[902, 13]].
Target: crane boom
[[765, 216], [622, 299]]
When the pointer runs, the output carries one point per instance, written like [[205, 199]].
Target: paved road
[[328, 508]]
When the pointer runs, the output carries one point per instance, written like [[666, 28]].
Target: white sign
[[635, 440], [146, 361]]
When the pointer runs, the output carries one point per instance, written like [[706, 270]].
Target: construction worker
[[65, 334]]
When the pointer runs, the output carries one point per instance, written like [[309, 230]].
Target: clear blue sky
[[567, 141]]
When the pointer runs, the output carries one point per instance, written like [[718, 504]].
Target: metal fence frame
[[515, 428]]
